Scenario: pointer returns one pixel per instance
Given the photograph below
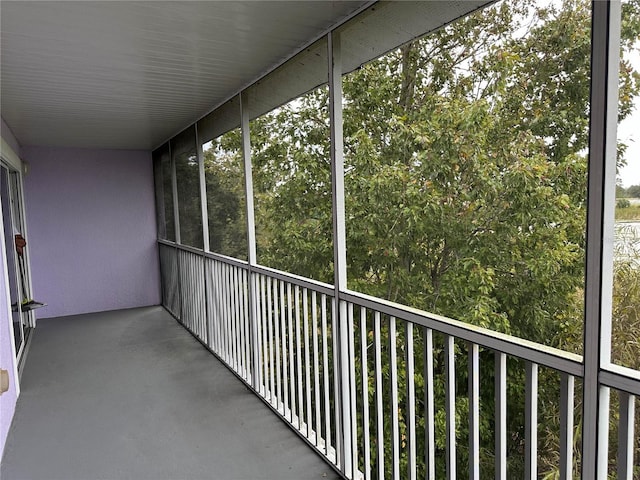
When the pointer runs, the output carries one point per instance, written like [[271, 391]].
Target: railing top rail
[[319, 287], [215, 256], [534, 352], [167, 243], [304, 282], [228, 260], [621, 378]]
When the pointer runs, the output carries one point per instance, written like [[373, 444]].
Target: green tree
[[465, 185]]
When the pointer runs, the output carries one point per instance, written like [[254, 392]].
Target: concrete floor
[[132, 395]]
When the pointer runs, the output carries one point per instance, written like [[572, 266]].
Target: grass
[[628, 214]]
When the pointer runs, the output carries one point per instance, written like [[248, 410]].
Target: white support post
[[205, 225], [251, 240], [174, 196], [605, 46], [248, 182], [176, 226], [203, 192], [339, 247]]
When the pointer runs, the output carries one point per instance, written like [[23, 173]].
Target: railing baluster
[[626, 438], [183, 290], [474, 411], [239, 319], [229, 309], [345, 390], [352, 388], [223, 313], [429, 427], [276, 331], [365, 393], [199, 285], [299, 361], [393, 378], [228, 316], [247, 328], [283, 336], [192, 295], [531, 421], [215, 309], [215, 306], [336, 384], [377, 342], [219, 309], [316, 367], [193, 264], [566, 426], [272, 396], [450, 405], [234, 318], [501, 416], [209, 304], [307, 362], [248, 325], [189, 292], [204, 280], [197, 309], [186, 303], [265, 342], [411, 401], [325, 377], [292, 375], [254, 329], [244, 316]]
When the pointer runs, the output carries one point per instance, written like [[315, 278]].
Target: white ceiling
[[110, 74]]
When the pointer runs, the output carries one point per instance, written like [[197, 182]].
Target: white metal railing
[[375, 387]]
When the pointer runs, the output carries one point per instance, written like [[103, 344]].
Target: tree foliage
[[465, 180]]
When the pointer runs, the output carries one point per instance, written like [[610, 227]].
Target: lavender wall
[[91, 229], [7, 359]]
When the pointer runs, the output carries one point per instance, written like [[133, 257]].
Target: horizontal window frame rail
[[302, 282], [499, 342], [620, 378]]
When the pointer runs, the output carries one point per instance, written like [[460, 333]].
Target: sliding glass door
[[16, 254]]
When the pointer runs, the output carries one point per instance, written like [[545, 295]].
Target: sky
[[629, 132]]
